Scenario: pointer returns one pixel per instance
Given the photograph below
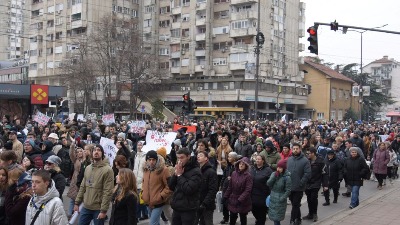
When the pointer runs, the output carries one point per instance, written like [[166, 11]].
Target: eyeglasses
[[49, 163]]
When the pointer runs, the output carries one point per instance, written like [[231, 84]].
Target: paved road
[[367, 191]]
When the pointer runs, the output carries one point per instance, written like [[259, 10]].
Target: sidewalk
[[382, 209]]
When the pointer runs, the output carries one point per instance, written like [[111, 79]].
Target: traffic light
[[334, 26], [192, 106], [260, 38], [313, 39], [186, 102]]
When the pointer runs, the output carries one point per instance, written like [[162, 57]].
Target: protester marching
[[182, 173]]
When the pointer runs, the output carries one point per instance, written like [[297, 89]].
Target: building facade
[[13, 17], [207, 47], [331, 93], [385, 72]]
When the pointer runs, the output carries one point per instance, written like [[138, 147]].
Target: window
[[219, 61], [164, 65], [320, 116], [149, 9], [186, 2], [33, 66], [221, 30], [50, 9], [75, 2], [164, 51], [243, 8], [221, 14], [164, 10], [59, 35], [185, 17], [221, 45], [176, 63], [333, 93], [341, 94], [164, 23], [240, 24], [185, 32], [59, 7], [147, 23], [340, 115], [164, 37], [176, 33], [134, 13], [58, 50], [333, 115], [185, 62], [33, 52], [58, 21], [220, 1], [49, 51], [76, 16]]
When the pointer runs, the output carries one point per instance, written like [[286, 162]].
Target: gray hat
[[54, 159], [178, 142], [122, 135]]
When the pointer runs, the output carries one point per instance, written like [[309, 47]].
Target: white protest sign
[[155, 139], [110, 150], [303, 124], [71, 116], [384, 137], [81, 118], [41, 118], [91, 117], [137, 126], [108, 119]]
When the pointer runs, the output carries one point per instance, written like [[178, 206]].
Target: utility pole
[[260, 39]]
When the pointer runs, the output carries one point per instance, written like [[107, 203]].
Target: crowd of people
[[236, 167]]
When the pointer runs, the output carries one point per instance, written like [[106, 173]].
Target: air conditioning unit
[[202, 66], [226, 87], [199, 88]]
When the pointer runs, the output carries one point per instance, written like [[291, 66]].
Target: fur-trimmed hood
[[160, 165]]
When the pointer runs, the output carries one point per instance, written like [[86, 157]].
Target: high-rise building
[[57, 26], [207, 47], [12, 20]]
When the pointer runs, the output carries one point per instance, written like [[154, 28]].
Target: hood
[[51, 193], [49, 146], [101, 163], [160, 165], [246, 161], [34, 151]]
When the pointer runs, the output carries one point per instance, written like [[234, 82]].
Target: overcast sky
[[339, 48]]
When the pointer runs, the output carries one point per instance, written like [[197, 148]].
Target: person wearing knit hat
[[280, 185], [230, 167], [162, 151], [34, 153], [151, 155], [52, 165], [121, 136]]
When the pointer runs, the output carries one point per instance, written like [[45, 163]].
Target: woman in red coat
[[238, 193]]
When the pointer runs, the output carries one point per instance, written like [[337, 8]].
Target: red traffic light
[[185, 97], [312, 31]]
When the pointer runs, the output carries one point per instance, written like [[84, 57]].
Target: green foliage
[[157, 111], [350, 115]]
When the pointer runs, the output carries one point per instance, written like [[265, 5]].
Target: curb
[[340, 215]]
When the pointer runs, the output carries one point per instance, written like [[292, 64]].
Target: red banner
[[189, 128], [39, 94]]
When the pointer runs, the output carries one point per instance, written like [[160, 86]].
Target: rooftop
[[327, 71]]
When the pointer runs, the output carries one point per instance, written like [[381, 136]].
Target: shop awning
[[393, 114]]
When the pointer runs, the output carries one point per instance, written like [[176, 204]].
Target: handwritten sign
[[110, 150], [71, 116], [81, 118], [108, 119], [189, 128], [137, 126], [155, 139], [303, 124], [384, 137], [91, 117], [41, 118]]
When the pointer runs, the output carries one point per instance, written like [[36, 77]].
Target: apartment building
[[386, 73], [13, 17], [207, 47], [57, 26]]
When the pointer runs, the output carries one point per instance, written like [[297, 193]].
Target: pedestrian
[[95, 190], [333, 175], [270, 154], [47, 149], [208, 190], [280, 184], [238, 193], [314, 183], [33, 153], [124, 199], [185, 184], [380, 160], [155, 190], [391, 165], [3, 189], [300, 172], [52, 165], [140, 160], [260, 173], [45, 206], [355, 169], [17, 146], [226, 179]]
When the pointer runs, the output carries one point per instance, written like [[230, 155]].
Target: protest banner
[[41, 118], [384, 137], [110, 150], [81, 118], [189, 128], [303, 124], [71, 116], [137, 126], [155, 139], [108, 119]]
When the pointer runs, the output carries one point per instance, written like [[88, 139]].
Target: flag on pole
[[283, 119]]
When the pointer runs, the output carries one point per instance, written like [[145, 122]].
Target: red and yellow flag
[[39, 94]]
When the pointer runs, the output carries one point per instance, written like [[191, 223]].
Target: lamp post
[[361, 64], [260, 41]]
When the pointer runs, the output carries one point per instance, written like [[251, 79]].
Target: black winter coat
[[227, 173], [124, 212], [59, 180], [333, 172], [209, 186], [354, 170], [244, 149], [260, 189], [317, 168], [66, 164], [186, 188]]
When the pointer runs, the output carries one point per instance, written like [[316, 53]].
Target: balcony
[[201, 37], [241, 48], [201, 6], [176, 54], [243, 32], [244, 15], [176, 10], [199, 53], [237, 66], [175, 40], [200, 22], [236, 2], [175, 69], [76, 24], [199, 68], [176, 25]]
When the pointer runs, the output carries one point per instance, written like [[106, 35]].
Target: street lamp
[[361, 63]]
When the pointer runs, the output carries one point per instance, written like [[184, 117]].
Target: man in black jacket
[[208, 190], [185, 183], [243, 148], [333, 175], [314, 184]]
